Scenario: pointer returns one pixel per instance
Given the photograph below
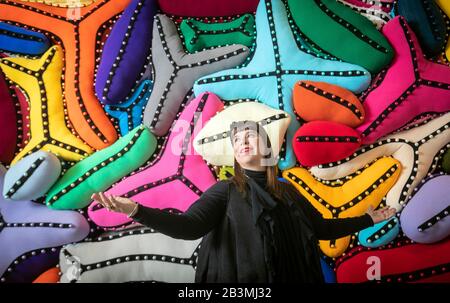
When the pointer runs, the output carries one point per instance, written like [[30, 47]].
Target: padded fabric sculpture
[[178, 176], [376, 14], [40, 79], [22, 118], [380, 234], [17, 40], [31, 177], [382, 5], [404, 262], [275, 67], [49, 276], [30, 234], [320, 142], [97, 172], [132, 255], [344, 33], [207, 8], [322, 101], [445, 6], [418, 148], [410, 87], [129, 114], [200, 35], [427, 22], [426, 217], [176, 71], [349, 198], [80, 35], [213, 141], [125, 52], [8, 123]]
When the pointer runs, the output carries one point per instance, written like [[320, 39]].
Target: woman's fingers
[[114, 203], [97, 198], [387, 212], [390, 212], [105, 201]]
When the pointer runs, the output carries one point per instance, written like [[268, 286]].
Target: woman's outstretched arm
[[200, 218], [331, 229]]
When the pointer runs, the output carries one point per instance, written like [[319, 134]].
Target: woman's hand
[[115, 203], [380, 214]]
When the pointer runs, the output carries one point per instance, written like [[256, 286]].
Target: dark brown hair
[[275, 187]]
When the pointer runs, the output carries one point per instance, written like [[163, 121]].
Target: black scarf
[[290, 245]]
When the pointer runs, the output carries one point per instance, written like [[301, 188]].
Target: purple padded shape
[[24, 239], [419, 219], [32, 267], [122, 64]]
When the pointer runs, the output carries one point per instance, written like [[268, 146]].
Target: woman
[[255, 228]]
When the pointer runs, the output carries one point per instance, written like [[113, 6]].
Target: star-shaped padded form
[[41, 80], [350, 198], [177, 178], [176, 72], [29, 230], [275, 67], [410, 87], [129, 114], [418, 149], [137, 254], [79, 31]]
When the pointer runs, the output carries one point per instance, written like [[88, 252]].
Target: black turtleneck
[[259, 176]]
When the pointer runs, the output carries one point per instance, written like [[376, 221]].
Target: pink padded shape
[[375, 5], [178, 178], [411, 87]]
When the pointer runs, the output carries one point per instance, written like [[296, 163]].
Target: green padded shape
[[100, 170], [199, 35], [340, 32]]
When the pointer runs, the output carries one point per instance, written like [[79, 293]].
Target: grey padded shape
[[175, 72]]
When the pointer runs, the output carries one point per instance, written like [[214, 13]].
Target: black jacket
[[235, 246]]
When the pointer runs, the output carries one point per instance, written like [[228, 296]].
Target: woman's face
[[247, 149]]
